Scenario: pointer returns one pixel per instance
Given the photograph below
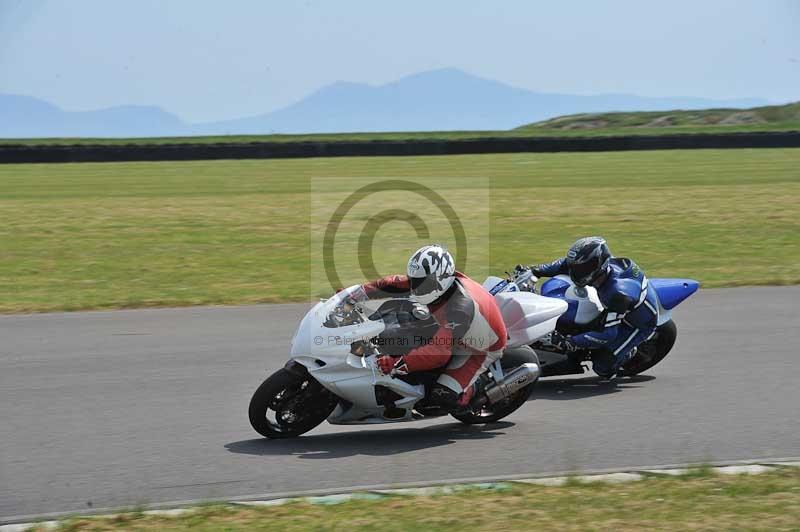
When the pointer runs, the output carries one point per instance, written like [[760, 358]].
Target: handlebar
[[523, 277]]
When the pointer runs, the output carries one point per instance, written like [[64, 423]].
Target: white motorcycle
[[333, 374]]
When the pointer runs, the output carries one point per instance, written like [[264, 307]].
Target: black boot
[[443, 397], [454, 402]]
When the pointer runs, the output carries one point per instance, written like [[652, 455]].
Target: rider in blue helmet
[[631, 307]]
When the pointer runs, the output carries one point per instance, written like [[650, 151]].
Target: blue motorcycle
[[585, 313]]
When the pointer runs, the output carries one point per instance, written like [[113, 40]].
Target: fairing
[[672, 292], [325, 352]]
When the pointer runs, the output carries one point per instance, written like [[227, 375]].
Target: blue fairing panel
[[672, 291], [554, 287]]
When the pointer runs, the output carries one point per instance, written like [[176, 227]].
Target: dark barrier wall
[[277, 150]]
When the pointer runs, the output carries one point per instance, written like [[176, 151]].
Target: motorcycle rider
[[470, 334], [631, 308]]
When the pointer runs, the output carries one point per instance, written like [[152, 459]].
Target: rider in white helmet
[[470, 334]]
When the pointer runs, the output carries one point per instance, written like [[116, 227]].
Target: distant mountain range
[[23, 116], [438, 100]]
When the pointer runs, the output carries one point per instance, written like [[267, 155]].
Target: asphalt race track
[[103, 409]]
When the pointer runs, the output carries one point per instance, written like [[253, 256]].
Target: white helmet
[[431, 272]]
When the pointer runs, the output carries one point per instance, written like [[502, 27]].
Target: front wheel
[[653, 351], [489, 413], [287, 405]]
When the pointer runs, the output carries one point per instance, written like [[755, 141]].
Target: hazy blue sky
[[212, 60]]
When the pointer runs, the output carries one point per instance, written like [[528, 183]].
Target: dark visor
[[583, 272], [424, 285]]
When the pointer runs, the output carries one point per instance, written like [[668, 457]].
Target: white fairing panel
[[312, 337], [589, 306], [528, 316], [325, 352], [493, 285], [491, 282]]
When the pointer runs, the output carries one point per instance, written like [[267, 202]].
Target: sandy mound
[[745, 117]]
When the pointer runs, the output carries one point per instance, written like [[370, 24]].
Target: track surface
[[105, 409]]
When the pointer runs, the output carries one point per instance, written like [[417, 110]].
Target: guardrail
[[19, 153]]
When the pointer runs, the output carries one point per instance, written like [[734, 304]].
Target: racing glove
[[534, 268], [392, 365], [521, 268]]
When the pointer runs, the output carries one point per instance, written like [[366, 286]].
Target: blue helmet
[[587, 259]]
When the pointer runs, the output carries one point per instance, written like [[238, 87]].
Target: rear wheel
[[288, 404], [489, 413], [653, 351]]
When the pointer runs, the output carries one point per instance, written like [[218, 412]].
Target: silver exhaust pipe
[[512, 382]]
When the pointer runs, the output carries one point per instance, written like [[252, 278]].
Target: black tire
[[299, 403], [489, 413], [653, 351]]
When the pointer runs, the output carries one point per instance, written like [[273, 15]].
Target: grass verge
[[121, 235], [770, 501]]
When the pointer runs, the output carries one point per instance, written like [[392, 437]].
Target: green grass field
[[759, 119], [116, 235], [770, 501]]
